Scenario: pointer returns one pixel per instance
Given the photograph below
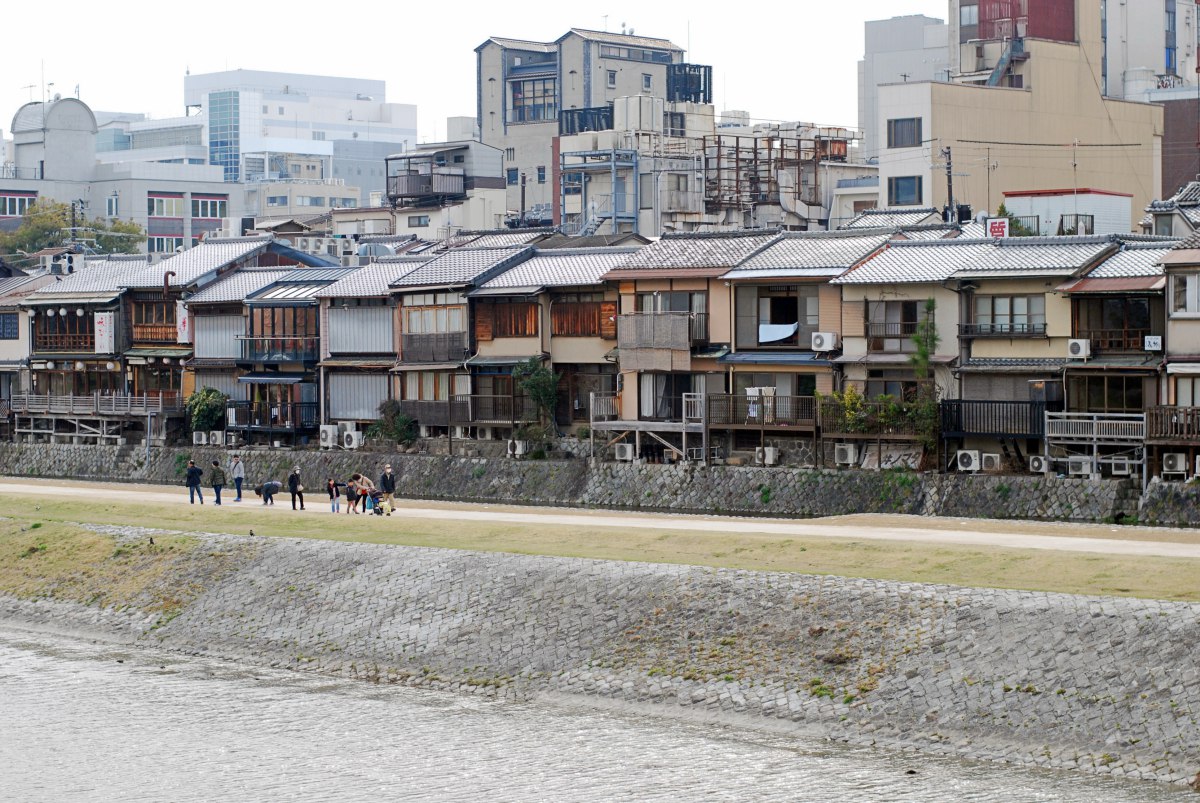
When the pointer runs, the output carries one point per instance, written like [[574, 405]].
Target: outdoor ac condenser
[[352, 439], [199, 438], [845, 454], [329, 436], [1175, 463], [624, 452], [1039, 464], [990, 462], [968, 460], [216, 438]]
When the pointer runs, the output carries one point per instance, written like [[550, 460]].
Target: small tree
[[540, 384], [1015, 227], [923, 407], [393, 424], [206, 409]]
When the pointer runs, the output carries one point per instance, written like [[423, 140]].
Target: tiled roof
[[20, 286], [236, 285], [507, 239], [625, 39], [461, 266], [712, 251], [522, 44], [105, 275], [891, 218], [310, 275], [196, 262], [560, 267], [1036, 256], [592, 241], [940, 231], [372, 280], [821, 253], [917, 261], [1140, 259]]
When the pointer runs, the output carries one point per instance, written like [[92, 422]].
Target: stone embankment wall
[[740, 490], [1106, 686]]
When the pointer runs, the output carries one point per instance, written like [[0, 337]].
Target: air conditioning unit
[[199, 438], [232, 439], [968, 460], [517, 448], [824, 341], [845, 454], [329, 436], [346, 426], [766, 455], [1039, 464], [352, 439], [1175, 463], [425, 431], [1079, 466], [1122, 467], [1152, 343], [1079, 349], [624, 452], [216, 438], [990, 462], [462, 433], [485, 433]]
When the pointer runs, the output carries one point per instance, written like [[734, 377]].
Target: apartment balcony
[[427, 413], [120, 404], [155, 333], [79, 343], [280, 349], [440, 347], [676, 331], [965, 418], [492, 410], [739, 411], [1002, 329], [418, 185], [1096, 429], [890, 338], [284, 418], [683, 413], [1173, 425], [1116, 340]]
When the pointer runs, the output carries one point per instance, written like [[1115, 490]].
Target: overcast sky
[[794, 61]]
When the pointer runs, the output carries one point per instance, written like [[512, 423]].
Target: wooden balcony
[[677, 331], [155, 333], [739, 411], [427, 413], [1096, 428], [288, 417], [892, 337], [1002, 329], [492, 410], [69, 343], [1117, 339], [964, 418], [119, 405], [1173, 425]]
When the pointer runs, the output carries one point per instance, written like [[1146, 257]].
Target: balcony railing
[[427, 413], [1096, 427], [961, 418], [605, 407], [1002, 329], [1117, 339], [736, 409], [895, 336], [155, 333], [662, 330], [873, 419], [481, 409], [276, 417], [280, 349], [119, 404], [440, 347], [1173, 424], [68, 343], [443, 181]]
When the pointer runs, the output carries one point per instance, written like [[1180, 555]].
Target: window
[[164, 206], [891, 325], [280, 111], [968, 15], [572, 183], [900, 383], [15, 205], [213, 208], [9, 326], [112, 206], [612, 79], [511, 176], [1011, 315], [1185, 294], [775, 317], [675, 124], [310, 200], [1104, 394], [904, 191], [1115, 323], [1187, 391], [677, 182], [1162, 225], [904, 132], [541, 174], [163, 245], [647, 82], [635, 54], [515, 319], [576, 314], [432, 385], [418, 221], [277, 200], [265, 110], [533, 100], [510, 154], [318, 135], [434, 313]]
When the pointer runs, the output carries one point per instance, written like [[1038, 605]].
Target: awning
[[774, 358], [425, 366], [357, 362], [1123, 284], [892, 359], [479, 360], [1183, 368], [165, 351], [1115, 363], [272, 379], [710, 353], [532, 290]]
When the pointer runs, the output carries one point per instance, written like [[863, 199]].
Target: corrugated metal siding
[[356, 396], [223, 381], [361, 330], [216, 336]]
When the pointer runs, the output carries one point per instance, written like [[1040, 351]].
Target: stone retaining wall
[[1106, 686], [741, 490]]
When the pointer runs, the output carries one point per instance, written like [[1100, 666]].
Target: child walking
[[335, 495]]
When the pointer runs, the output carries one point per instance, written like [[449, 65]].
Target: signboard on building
[[183, 326], [997, 227], [105, 332]]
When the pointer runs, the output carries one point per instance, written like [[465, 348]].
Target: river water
[[81, 722]]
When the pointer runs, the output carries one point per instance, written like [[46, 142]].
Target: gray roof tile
[[461, 266], [917, 261], [372, 280], [104, 275], [236, 285], [561, 267], [1140, 259], [819, 253], [196, 262], [892, 218], [715, 250]]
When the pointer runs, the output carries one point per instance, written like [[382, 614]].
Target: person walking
[[387, 484], [335, 495], [237, 470], [217, 479], [194, 473], [296, 487], [268, 490]]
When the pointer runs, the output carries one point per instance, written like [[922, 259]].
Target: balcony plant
[[923, 401], [393, 424], [206, 410]]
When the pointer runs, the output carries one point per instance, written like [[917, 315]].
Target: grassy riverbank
[[70, 550]]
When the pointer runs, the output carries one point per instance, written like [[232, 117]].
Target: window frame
[[905, 132], [893, 185]]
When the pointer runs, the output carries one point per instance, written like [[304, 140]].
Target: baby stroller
[[376, 503]]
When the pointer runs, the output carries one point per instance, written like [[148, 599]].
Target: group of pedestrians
[[358, 490], [218, 478]]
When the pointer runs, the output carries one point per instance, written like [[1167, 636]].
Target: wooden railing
[[604, 407], [72, 343], [1096, 427], [767, 411], [1002, 329], [97, 404], [155, 333], [1116, 339], [1173, 424], [481, 409], [962, 418], [281, 417]]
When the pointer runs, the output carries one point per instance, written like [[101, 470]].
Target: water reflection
[[85, 723]]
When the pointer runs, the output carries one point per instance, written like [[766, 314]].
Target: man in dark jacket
[[387, 484], [194, 473]]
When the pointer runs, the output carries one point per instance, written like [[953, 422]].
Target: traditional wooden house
[[1173, 424], [15, 344]]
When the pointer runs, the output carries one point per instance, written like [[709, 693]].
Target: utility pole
[[950, 185]]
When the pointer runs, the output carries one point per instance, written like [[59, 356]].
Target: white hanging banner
[[105, 332], [183, 325]]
